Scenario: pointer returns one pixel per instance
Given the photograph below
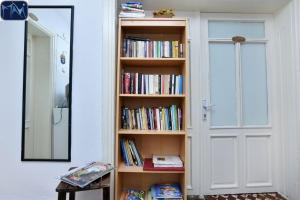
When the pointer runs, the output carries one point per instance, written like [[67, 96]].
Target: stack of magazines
[[167, 161], [82, 176], [132, 10]]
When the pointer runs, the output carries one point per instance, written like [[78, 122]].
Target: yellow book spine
[[128, 150], [173, 49], [145, 119], [176, 45]]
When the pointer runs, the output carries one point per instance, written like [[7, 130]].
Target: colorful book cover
[[163, 191], [135, 195]]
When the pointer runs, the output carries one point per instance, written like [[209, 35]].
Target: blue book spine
[[180, 84], [125, 152]]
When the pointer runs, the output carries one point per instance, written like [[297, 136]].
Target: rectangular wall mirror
[[47, 89]]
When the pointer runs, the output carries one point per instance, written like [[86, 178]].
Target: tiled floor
[[259, 196]]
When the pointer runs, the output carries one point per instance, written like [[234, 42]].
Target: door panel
[[254, 84], [222, 84], [224, 157], [258, 149]]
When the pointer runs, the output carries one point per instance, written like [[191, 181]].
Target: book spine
[[128, 153], [159, 84], [181, 50], [127, 162], [135, 153]]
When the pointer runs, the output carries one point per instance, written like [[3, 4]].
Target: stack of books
[[167, 161], [163, 163], [145, 48], [138, 83], [162, 118], [132, 10], [165, 191], [130, 153]]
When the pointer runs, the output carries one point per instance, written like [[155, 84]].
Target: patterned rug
[[259, 196]]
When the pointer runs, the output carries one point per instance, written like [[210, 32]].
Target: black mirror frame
[[70, 85]]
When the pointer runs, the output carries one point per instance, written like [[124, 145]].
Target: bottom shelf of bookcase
[[143, 181]]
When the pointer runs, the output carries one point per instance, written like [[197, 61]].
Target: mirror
[[47, 89]]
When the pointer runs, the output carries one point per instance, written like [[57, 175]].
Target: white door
[[237, 135]]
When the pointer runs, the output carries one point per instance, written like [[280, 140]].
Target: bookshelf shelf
[[172, 32], [152, 95], [134, 169], [150, 132], [152, 61]]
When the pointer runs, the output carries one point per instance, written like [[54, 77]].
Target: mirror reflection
[[47, 74]]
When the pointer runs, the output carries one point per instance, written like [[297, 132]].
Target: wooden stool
[[101, 183]]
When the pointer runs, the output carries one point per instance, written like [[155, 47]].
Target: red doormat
[[257, 196]]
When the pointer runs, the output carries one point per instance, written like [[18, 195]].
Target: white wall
[[37, 180], [288, 58]]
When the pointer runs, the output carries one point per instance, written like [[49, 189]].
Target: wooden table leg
[[62, 196], [72, 196], [106, 193]]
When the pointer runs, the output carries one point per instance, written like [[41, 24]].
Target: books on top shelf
[[153, 118], [130, 153], [82, 176], [145, 48], [132, 10], [138, 83], [165, 191]]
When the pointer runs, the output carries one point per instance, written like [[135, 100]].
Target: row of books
[[132, 10], [153, 118], [145, 48], [130, 153], [155, 192], [138, 83]]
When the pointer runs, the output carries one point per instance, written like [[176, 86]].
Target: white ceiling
[[238, 6]]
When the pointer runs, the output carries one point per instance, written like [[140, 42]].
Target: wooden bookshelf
[[149, 142]]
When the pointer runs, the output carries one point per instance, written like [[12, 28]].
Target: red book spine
[[127, 83]]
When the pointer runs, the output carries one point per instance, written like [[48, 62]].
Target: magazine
[[82, 176]]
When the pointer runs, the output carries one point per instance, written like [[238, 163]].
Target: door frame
[[271, 130]]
